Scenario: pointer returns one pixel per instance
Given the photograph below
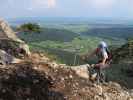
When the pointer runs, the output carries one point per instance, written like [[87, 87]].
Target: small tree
[[30, 27]]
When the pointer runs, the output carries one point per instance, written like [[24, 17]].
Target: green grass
[[83, 44], [76, 28], [64, 52]]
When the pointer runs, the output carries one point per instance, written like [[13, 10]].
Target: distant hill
[[49, 34], [124, 53], [110, 32]]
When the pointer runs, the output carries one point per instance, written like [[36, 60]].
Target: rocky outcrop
[[8, 32], [73, 83], [39, 77], [81, 71], [7, 59], [7, 35]]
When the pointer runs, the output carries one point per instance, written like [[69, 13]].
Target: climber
[[104, 58]]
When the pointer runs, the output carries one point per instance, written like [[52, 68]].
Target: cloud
[[40, 4], [51, 3]]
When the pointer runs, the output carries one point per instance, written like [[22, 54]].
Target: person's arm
[[102, 63]]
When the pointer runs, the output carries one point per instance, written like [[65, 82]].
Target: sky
[[114, 9]]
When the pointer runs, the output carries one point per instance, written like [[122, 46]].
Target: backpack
[[108, 61]]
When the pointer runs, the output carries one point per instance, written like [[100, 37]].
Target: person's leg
[[98, 76], [92, 74], [102, 75]]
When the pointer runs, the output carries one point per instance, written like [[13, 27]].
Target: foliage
[[124, 53], [130, 39], [119, 74], [30, 27]]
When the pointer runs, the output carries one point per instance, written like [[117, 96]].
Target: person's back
[[101, 54]]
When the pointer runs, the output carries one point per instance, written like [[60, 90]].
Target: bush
[[30, 27]]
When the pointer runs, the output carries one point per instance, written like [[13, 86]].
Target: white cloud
[[51, 3], [39, 4]]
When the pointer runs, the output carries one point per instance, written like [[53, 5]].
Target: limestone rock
[[81, 71], [6, 58], [6, 33], [25, 47]]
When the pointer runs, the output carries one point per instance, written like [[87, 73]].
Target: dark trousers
[[100, 75]]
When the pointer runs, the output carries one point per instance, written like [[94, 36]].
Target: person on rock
[[104, 56]]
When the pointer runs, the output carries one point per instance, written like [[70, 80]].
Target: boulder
[[6, 58], [81, 70], [25, 47]]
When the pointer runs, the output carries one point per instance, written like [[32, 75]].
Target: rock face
[[5, 58], [82, 71], [7, 35], [7, 32], [73, 82], [25, 47]]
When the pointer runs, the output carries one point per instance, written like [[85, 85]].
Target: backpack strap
[[97, 50], [109, 56]]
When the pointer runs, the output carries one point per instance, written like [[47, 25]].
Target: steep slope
[[7, 32], [124, 53], [38, 78], [122, 32], [122, 65]]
